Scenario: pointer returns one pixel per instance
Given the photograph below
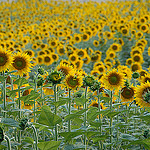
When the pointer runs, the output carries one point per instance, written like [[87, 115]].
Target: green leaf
[[69, 135], [21, 81], [99, 138], [112, 114], [95, 124], [72, 116], [50, 145], [80, 101], [2, 78], [48, 118], [89, 134], [9, 122], [48, 85], [59, 103], [106, 99], [146, 117], [128, 137], [28, 140], [2, 147]]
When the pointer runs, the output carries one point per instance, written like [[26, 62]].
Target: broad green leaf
[[48, 85], [146, 118], [2, 147], [106, 99], [21, 81], [28, 140], [48, 118], [128, 137], [69, 135], [9, 122], [59, 103], [2, 78], [72, 116], [112, 114], [95, 124], [99, 138], [50, 145], [80, 101], [89, 134]]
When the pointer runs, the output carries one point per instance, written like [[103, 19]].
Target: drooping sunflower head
[[72, 81], [142, 94], [88, 80], [113, 80], [5, 60], [55, 77], [21, 63]]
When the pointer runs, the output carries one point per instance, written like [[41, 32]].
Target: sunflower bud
[[55, 77], [41, 71], [95, 86], [88, 81], [135, 75], [1, 135], [40, 81], [23, 123]]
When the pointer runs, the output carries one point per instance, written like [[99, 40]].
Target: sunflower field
[[74, 75]]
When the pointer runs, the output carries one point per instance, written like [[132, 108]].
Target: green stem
[[69, 112], [4, 96], [85, 114], [12, 88], [111, 120], [55, 99], [43, 133], [19, 103], [35, 100], [99, 118], [8, 142], [36, 137]]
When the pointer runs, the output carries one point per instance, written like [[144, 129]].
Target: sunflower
[[96, 43], [136, 66], [139, 34], [145, 78], [39, 60], [5, 60], [21, 63], [101, 69], [35, 46], [127, 94], [85, 37], [137, 58], [124, 31], [115, 47], [64, 68], [47, 60], [95, 57], [72, 81], [87, 59], [129, 61], [61, 50], [142, 73], [142, 95], [111, 54], [81, 53], [77, 38], [95, 104], [53, 43], [144, 28], [79, 64], [73, 58], [54, 56], [113, 80], [29, 52]]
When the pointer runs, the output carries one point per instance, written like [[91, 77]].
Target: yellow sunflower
[[72, 81], [136, 66], [113, 80], [95, 104], [48, 60], [21, 63], [142, 95], [145, 78], [64, 68], [5, 60], [137, 58], [129, 61]]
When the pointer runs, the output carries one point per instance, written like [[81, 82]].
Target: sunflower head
[[95, 86], [55, 77], [135, 75], [40, 81], [88, 81], [41, 71]]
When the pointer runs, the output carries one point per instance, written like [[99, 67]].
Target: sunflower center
[[47, 59], [113, 79], [19, 63], [127, 93], [56, 77], [136, 58], [3, 59], [73, 82]]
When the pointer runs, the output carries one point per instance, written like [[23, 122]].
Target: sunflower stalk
[[69, 111], [34, 99], [85, 114], [99, 118], [43, 133], [4, 94], [36, 136], [55, 99], [111, 119], [19, 103], [8, 142]]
